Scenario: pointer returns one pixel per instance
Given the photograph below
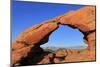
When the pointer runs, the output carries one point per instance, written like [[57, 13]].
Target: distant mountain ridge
[[54, 48]]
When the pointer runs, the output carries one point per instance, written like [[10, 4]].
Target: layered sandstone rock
[[27, 44], [83, 19], [32, 37]]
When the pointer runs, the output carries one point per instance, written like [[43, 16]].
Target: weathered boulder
[[47, 59], [57, 60], [61, 53], [19, 54]]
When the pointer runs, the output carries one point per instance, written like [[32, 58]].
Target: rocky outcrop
[[61, 53], [47, 59], [83, 19], [27, 44], [33, 37], [91, 40]]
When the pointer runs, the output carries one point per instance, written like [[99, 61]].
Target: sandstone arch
[[32, 38]]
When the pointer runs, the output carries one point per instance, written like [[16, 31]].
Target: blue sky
[[27, 14]]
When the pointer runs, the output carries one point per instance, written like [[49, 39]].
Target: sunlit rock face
[[83, 19], [34, 36], [27, 44]]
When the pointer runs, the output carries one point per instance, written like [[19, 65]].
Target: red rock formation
[[91, 40], [61, 53], [32, 37], [47, 59], [82, 19], [57, 60]]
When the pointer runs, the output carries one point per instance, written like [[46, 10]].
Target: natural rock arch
[[32, 38], [65, 37]]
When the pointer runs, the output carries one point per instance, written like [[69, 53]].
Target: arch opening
[[65, 37]]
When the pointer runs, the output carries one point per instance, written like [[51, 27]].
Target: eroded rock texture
[[32, 37], [26, 49]]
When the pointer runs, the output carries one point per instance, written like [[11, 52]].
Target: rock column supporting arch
[[82, 19]]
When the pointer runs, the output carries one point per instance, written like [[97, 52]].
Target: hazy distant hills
[[54, 48]]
